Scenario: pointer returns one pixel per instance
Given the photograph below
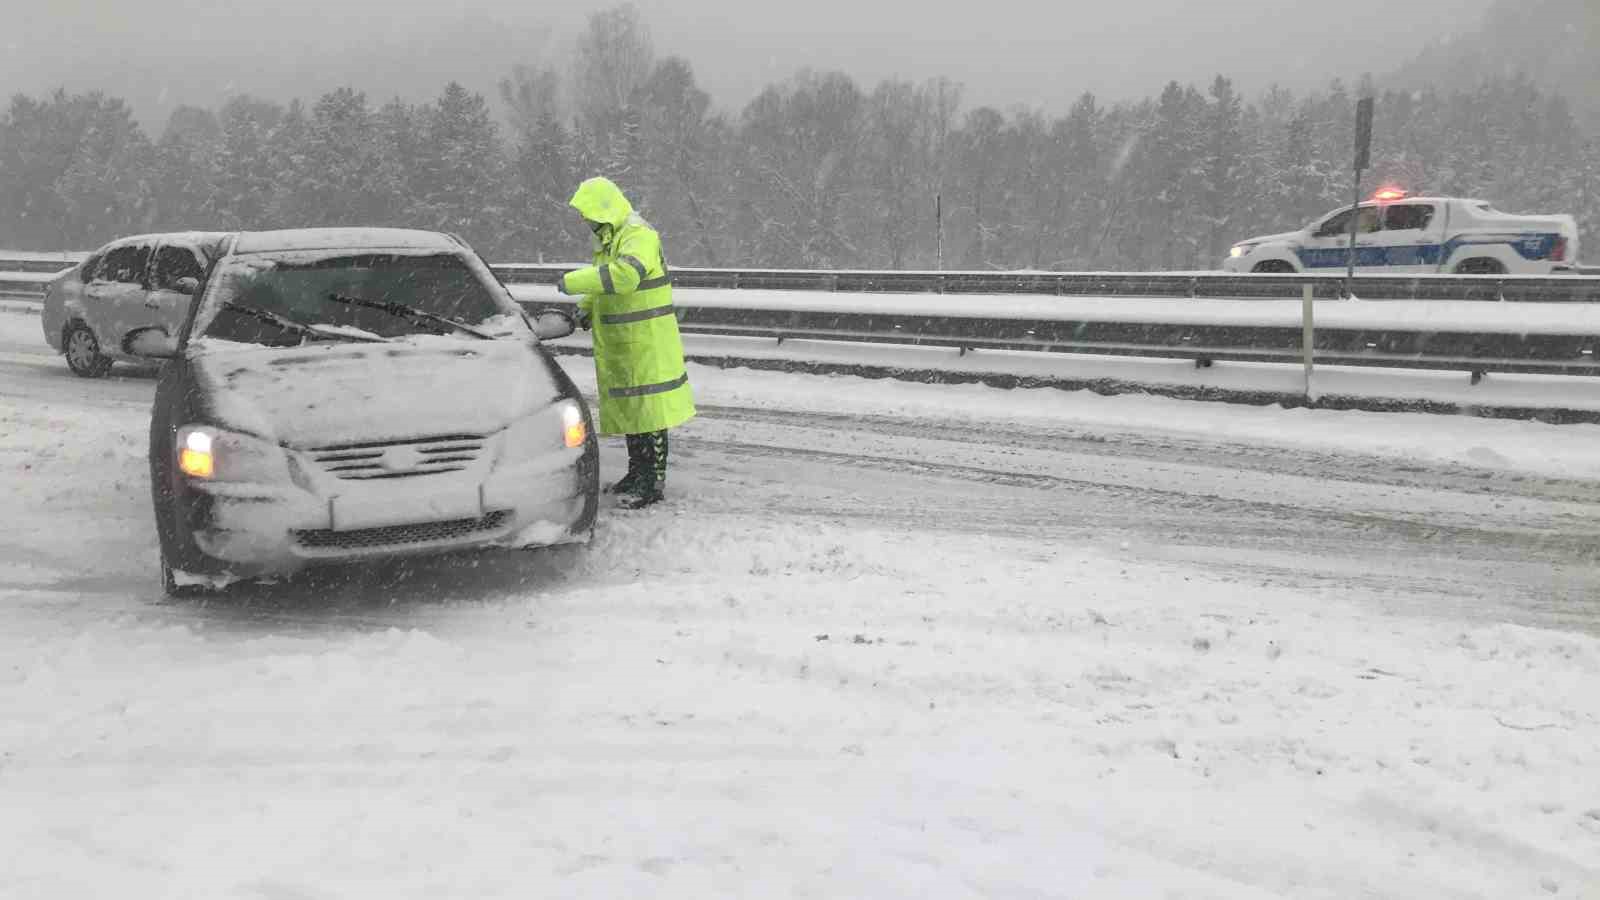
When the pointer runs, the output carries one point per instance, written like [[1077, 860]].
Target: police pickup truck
[[1401, 235]]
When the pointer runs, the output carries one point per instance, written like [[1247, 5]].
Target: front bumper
[[258, 530]]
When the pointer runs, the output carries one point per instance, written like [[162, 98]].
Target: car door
[[115, 299], [167, 304], [1328, 245], [1409, 238]]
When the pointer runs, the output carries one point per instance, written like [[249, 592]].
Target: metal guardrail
[[37, 266], [1393, 347], [1567, 288], [1203, 286], [1396, 346], [24, 288]]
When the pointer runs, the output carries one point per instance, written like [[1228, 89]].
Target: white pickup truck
[[1402, 235]]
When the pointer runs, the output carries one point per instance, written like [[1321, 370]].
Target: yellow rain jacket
[[638, 355]]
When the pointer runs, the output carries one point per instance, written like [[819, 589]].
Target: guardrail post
[[1308, 333]]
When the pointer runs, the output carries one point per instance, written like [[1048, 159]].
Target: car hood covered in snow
[[333, 393]]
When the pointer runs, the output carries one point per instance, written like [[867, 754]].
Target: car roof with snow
[[344, 239], [196, 238]]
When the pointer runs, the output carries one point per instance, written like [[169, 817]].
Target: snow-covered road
[[887, 640]]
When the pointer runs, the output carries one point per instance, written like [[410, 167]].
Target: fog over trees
[[816, 171]]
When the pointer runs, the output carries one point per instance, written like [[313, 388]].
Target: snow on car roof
[[344, 239], [194, 238]]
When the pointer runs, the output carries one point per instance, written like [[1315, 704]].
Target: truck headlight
[[214, 454]]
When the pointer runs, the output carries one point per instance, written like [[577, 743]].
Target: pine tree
[[461, 171], [185, 195], [242, 167]]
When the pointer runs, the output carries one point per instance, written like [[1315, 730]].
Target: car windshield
[[300, 288]]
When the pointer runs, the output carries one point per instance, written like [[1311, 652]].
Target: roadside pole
[[1363, 159], [1308, 333]]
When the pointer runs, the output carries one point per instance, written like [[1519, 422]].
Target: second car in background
[[128, 287], [1402, 235]]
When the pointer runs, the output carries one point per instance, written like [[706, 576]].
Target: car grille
[[399, 459], [400, 535]]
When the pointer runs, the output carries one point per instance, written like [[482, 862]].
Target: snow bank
[[739, 695], [1566, 451]]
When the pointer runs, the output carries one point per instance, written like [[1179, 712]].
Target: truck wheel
[[1273, 267], [1481, 265], [82, 350]]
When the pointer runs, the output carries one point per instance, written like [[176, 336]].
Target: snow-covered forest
[[817, 171]]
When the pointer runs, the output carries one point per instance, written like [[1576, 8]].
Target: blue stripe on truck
[[1528, 245]]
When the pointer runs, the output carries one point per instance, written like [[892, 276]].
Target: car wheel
[[82, 350], [1480, 266], [170, 584], [1273, 267]]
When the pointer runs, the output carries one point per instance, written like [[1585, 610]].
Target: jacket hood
[[600, 200]]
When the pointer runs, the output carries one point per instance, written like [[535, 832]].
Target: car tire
[[1480, 265], [82, 350], [169, 583], [1273, 267]]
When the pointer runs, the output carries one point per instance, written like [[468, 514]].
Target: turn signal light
[[195, 459], [573, 431], [576, 435]]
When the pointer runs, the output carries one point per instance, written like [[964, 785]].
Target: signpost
[[1363, 160]]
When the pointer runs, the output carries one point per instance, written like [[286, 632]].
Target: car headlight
[[574, 431], [214, 454], [1240, 250], [549, 429]]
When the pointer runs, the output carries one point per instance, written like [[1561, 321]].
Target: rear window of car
[[302, 290], [125, 265], [87, 271]]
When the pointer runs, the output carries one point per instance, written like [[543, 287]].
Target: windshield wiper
[[299, 328], [412, 313]]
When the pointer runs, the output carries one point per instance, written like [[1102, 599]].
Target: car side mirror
[[549, 324], [187, 286], [151, 343]]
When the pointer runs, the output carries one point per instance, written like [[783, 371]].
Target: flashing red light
[[1386, 195]]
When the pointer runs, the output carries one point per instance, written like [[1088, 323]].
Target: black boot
[[638, 446], [651, 485]]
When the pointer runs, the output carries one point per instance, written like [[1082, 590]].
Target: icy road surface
[[886, 640]]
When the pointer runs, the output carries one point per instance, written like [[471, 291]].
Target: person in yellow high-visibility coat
[[638, 355]]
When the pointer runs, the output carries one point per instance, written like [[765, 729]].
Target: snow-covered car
[[127, 287], [1417, 235], [345, 394]]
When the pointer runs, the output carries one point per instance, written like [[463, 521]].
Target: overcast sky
[[159, 53]]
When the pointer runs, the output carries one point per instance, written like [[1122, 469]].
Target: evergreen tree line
[[816, 171]]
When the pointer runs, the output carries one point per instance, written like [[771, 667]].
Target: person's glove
[[581, 316], [561, 285]]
